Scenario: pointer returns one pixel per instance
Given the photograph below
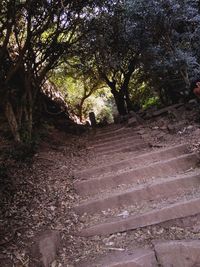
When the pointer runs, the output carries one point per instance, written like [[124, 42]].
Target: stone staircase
[[147, 187]]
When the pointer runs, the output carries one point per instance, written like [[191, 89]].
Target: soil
[[38, 195]]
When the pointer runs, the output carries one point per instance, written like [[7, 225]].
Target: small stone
[[190, 127], [124, 214], [110, 244]]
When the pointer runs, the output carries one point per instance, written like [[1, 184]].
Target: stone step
[[130, 163], [108, 129], [147, 192], [115, 143], [115, 135], [156, 170], [182, 209], [113, 131], [136, 258], [114, 138], [178, 253], [122, 148]]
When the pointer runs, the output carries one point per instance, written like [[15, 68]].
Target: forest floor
[[38, 195]]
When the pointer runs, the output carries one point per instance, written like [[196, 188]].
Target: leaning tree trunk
[[10, 115], [80, 109]]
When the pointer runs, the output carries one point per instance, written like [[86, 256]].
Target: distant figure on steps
[[196, 90], [92, 119]]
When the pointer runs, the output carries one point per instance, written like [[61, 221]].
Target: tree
[[34, 36], [114, 53], [78, 81], [158, 38], [169, 60]]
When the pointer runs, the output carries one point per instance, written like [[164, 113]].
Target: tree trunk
[[29, 104], [80, 109], [9, 113], [119, 96], [127, 99], [120, 101]]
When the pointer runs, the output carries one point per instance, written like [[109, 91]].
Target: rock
[[193, 102], [163, 111], [132, 114], [124, 214], [121, 119], [178, 253], [132, 122], [110, 244], [190, 127], [44, 250], [166, 110], [163, 128], [197, 132], [175, 114], [175, 127], [160, 135], [141, 132]]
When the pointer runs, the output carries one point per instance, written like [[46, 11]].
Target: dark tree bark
[[121, 94], [10, 115], [120, 101]]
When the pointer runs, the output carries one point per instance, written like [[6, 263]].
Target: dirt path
[[135, 194]]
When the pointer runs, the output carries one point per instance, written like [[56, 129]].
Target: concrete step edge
[[140, 193], [179, 210], [85, 172], [172, 166]]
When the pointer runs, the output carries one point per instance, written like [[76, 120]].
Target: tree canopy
[[121, 44]]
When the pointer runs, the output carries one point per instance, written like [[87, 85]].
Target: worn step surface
[[181, 209], [121, 148], [109, 128], [161, 169], [137, 258], [161, 154], [147, 192], [176, 253], [116, 143], [114, 132], [113, 137]]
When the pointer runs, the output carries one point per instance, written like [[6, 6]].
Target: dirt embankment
[[37, 195]]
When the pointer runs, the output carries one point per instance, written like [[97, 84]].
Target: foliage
[[140, 49], [103, 106], [158, 38], [153, 101], [113, 54], [83, 90], [169, 59], [34, 36]]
